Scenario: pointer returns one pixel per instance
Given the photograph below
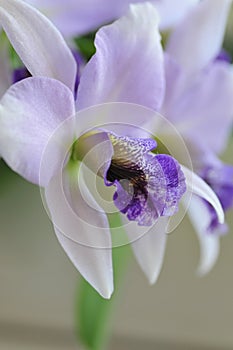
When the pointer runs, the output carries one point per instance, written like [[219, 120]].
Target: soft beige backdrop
[[38, 284]]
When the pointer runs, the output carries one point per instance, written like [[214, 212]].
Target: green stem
[[92, 312]]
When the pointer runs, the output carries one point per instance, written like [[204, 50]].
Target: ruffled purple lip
[[147, 185]]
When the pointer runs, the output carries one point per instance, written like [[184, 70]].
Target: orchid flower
[[77, 17], [198, 102], [46, 134]]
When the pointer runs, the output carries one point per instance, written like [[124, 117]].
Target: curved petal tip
[[209, 242], [198, 186]]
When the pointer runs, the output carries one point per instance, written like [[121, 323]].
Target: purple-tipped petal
[[30, 111], [82, 229], [128, 64], [198, 38], [37, 41]]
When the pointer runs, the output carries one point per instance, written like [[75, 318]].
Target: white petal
[[37, 41], [209, 243], [96, 152], [197, 186], [149, 249], [30, 112], [83, 231], [125, 119], [198, 39]]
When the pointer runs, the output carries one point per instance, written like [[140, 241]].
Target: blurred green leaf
[[86, 45], [93, 313], [8, 178], [15, 61], [228, 42], [164, 38], [14, 58]]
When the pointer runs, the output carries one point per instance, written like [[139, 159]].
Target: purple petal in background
[[213, 226], [220, 179], [20, 74], [204, 110], [74, 17], [224, 56]]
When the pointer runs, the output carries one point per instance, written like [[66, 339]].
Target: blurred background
[[38, 284]]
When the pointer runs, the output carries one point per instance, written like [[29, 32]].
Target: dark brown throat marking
[[121, 169]]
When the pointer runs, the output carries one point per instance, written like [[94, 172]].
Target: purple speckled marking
[[147, 185]]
